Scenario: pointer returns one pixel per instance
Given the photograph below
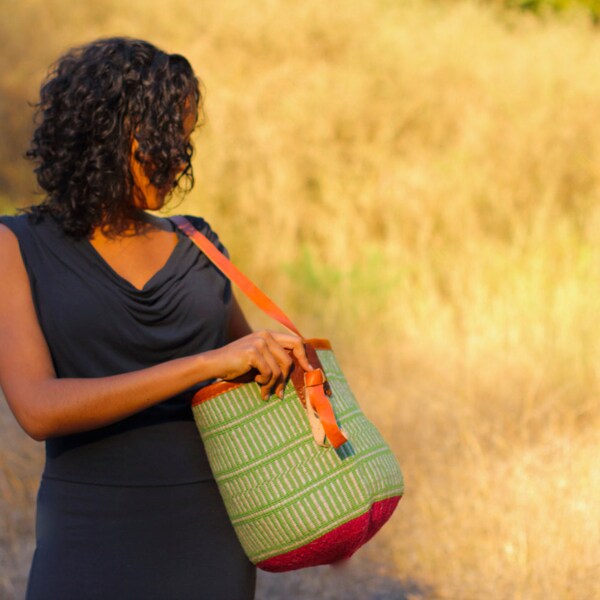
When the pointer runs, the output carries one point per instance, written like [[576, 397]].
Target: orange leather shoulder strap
[[234, 274], [313, 380]]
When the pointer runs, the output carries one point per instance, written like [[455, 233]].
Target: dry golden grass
[[418, 181]]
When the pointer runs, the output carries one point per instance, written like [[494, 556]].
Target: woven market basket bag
[[306, 480]]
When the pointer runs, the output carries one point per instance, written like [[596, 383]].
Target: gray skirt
[[124, 543]]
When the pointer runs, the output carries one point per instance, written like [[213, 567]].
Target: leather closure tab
[[317, 399], [297, 375], [312, 378]]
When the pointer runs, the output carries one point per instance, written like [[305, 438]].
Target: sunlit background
[[418, 181]]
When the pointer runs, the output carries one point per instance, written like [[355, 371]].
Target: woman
[[110, 319]]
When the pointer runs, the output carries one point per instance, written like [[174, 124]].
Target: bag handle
[[234, 274], [314, 384]]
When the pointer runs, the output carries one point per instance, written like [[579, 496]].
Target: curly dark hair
[[95, 100]]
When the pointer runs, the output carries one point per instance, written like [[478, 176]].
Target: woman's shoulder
[[204, 227], [199, 223], [15, 223], [15, 232], [28, 223], [11, 238], [7, 230], [33, 237]]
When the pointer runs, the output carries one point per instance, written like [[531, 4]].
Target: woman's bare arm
[[46, 406]]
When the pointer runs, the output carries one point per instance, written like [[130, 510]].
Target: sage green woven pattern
[[280, 489]]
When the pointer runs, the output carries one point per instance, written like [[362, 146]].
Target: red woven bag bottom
[[338, 544]]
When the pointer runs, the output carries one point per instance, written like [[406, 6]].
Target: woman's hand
[[265, 352]]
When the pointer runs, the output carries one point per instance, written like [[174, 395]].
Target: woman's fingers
[[300, 353], [283, 364], [269, 353], [286, 364], [269, 370], [274, 348], [296, 345]]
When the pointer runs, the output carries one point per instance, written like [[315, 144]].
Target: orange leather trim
[[214, 389], [319, 344], [297, 377]]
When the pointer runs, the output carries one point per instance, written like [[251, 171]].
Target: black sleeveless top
[[97, 324]]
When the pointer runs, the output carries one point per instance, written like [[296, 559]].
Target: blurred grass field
[[419, 181]]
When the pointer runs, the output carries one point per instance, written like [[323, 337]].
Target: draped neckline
[[162, 271]]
